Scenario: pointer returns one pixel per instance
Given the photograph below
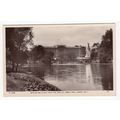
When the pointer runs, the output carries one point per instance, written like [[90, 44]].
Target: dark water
[[78, 77]]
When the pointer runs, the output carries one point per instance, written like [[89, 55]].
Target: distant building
[[65, 54]]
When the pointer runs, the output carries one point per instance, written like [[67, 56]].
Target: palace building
[[64, 54]]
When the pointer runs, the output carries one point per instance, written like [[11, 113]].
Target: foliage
[[106, 47], [94, 51], [104, 50], [17, 40], [37, 52], [47, 59]]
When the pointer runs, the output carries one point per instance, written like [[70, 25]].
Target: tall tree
[[106, 47], [17, 40]]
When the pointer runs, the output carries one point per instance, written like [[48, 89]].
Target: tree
[[38, 52], [94, 51], [17, 40], [104, 50], [48, 57], [106, 47]]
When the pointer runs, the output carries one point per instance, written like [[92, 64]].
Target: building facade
[[64, 54]]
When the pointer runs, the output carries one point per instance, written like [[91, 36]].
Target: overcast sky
[[70, 35]]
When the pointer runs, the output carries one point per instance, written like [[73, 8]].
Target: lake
[[78, 77]]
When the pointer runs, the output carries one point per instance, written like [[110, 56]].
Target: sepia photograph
[[59, 59]]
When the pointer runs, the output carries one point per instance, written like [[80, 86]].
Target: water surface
[[78, 77]]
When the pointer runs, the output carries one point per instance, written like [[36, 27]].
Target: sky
[[69, 35]]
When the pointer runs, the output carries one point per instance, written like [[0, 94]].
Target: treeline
[[39, 54], [103, 52], [18, 40]]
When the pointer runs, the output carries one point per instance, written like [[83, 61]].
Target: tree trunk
[[13, 66], [16, 69]]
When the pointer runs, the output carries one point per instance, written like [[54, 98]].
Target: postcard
[[59, 60]]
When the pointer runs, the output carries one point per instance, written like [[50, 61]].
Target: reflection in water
[[78, 77], [89, 77], [107, 77]]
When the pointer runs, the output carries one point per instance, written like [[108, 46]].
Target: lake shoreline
[[85, 64], [54, 64], [27, 82]]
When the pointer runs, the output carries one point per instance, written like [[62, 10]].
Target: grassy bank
[[27, 82]]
